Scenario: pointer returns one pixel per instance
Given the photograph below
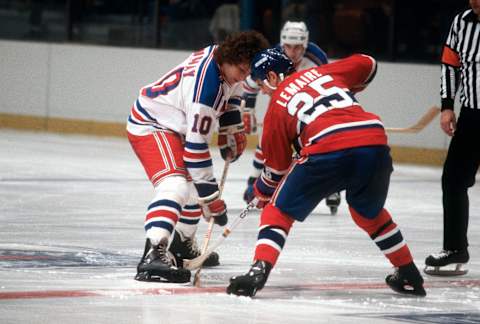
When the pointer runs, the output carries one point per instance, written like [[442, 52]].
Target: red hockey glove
[[232, 145], [214, 207], [263, 198], [249, 121]]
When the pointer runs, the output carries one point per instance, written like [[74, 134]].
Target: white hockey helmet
[[294, 33]]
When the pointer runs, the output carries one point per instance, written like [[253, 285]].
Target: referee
[[460, 71]]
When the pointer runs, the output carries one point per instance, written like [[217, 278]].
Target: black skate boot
[[156, 265], [333, 201], [407, 280], [249, 283], [437, 264], [187, 248]]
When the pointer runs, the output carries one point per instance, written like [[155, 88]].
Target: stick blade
[[419, 125], [196, 278]]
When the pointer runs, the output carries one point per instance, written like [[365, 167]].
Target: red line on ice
[[217, 289]]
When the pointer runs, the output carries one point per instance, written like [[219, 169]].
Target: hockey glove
[[263, 198], [215, 207], [232, 145], [249, 121], [231, 135], [248, 195]]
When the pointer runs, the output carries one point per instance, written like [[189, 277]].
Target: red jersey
[[315, 111]]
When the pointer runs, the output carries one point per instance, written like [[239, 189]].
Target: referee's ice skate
[[156, 265], [447, 263]]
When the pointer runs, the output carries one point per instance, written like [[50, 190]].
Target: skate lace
[[443, 254], [192, 245], [162, 254]]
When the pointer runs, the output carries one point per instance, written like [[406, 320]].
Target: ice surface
[[71, 234]]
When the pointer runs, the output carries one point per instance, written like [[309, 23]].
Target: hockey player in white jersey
[[304, 54], [169, 128]]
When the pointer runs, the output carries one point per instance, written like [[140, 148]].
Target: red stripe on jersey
[[192, 214], [162, 213], [199, 156], [450, 57], [137, 115]]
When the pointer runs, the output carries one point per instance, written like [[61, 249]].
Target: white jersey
[[187, 100]]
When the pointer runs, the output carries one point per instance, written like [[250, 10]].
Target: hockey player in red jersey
[[339, 146], [170, 127]]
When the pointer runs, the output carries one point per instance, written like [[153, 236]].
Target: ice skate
[[447, 263], [333, 201], [249, 283], [156, 265], [187, 248], [407, 280]]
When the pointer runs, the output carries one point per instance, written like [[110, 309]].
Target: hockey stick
[[198, 261], [208, 234], [419, 125]]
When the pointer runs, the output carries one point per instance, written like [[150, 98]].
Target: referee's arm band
[[447, 103]]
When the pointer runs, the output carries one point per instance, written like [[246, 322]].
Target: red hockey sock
[[386, 235], [272, 234]]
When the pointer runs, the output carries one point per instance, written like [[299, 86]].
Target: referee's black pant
[[459, 170]]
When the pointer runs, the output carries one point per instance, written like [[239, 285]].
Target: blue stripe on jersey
[[165, 225], [198, 165], [316, 54], [269, 234], [165, 202], [191, 207], [267, 190], [206, 189], [390, 242], [151, 124], [313, 52], [196, 146], [230, 118], [257, 165], [207, 83], [316, 139], [235, 101], [143, 111]]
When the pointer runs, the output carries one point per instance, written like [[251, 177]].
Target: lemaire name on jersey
[[297, 85]]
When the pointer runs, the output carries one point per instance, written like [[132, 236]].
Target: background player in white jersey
[[304, 54], [169, 128]]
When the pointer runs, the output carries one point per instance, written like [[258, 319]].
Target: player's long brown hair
[[240, 48]]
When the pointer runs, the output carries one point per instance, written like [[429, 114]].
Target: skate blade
[[409, 290], [147, 277], [445, 272]]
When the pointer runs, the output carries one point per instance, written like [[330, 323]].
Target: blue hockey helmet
[[268, 60]]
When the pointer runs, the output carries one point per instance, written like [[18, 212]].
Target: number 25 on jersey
[[307, 107]]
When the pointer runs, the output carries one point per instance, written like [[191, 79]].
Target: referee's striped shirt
[[461, 62]]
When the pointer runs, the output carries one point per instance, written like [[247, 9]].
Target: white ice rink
[[71, 235]]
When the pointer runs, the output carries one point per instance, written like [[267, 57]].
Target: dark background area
[[393, 30]]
